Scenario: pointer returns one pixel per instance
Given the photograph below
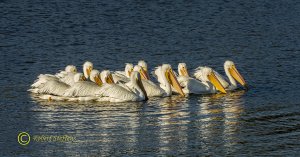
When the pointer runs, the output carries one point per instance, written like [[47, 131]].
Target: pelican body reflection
[[161, 125], [220, 121]]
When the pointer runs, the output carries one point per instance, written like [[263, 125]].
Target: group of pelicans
[[134, 83]]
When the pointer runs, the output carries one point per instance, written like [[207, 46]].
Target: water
[[261, 37]]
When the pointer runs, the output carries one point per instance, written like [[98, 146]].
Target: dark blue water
[[261, 37]]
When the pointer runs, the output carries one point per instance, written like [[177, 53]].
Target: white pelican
[[85, 88], [62, 76], [167, 80], [106, 77], [210, 84], [87, 91], [151, 88], [67, 76], [182, 70], [144, 65], [116, 93], [68, 69], [55, 87], [87, 68], [123, 76], [232, 74], [52, 96]]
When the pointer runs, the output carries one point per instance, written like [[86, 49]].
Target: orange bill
[[174, 82], [98, 81], [214, 80], [129, 72], [83, 78], [144, 74], [237, 76], [109, 79], [88, 70], [184, 72]]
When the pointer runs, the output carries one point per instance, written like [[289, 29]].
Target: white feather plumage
[[199, 74], [130, 91], [82, 89], [54, 87], [116, 93]]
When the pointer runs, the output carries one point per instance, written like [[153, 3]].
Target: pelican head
[[136, 80], [171, 78], [106, 77], [142, 72], [71, 69], [144, 65], [87, 68], [231, 70], [128, 69], [79, 77], [182, 70], [95, 77], [210, 76]]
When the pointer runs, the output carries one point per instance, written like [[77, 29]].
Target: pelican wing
[[43, 78], [120, 76], [125, 85], [115, 93], [122, 73], [197, 87], [82, 89], [53, 87], [61, 74], [67, 78], [152, 89], [194, 86]]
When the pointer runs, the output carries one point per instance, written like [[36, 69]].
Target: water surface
[[261, 37]]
